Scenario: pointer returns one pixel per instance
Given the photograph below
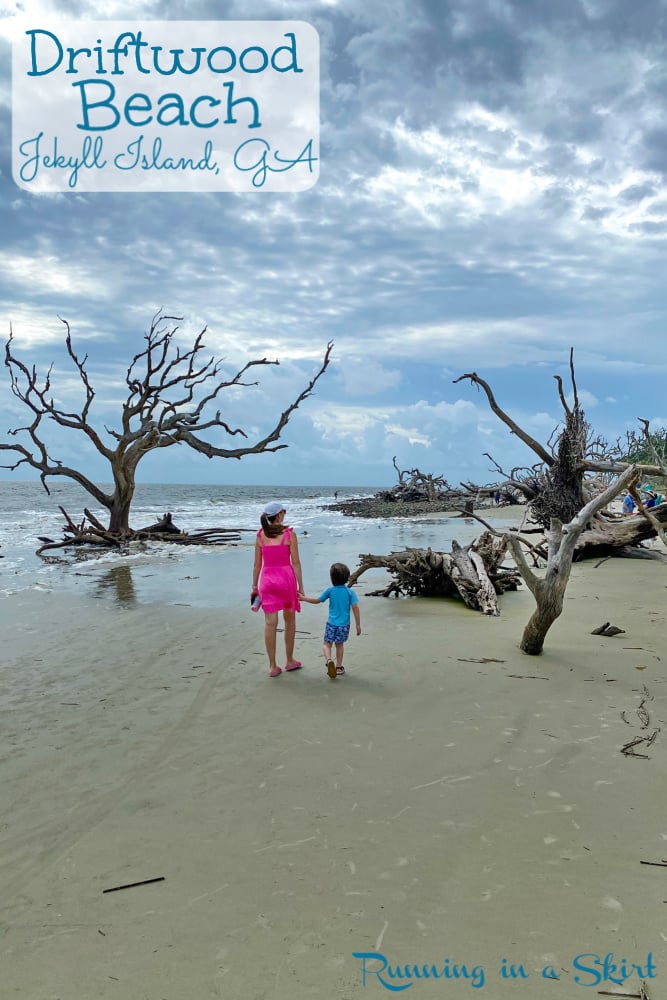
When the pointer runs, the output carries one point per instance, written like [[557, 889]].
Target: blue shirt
[[340, 600]]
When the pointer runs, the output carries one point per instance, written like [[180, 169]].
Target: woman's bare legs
[[270, 629], [290, 636]]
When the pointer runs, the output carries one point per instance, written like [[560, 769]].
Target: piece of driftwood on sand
[[474, 572]]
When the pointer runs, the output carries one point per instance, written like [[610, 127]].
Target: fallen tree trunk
[[605, 536], [474, 572]]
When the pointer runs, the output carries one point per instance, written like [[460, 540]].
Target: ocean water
[[201, 576]]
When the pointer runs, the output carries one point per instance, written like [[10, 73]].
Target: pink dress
[[277, 585]]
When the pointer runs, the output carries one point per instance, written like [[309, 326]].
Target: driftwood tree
[[549, 588], [567, 501], [561, 504], [563, 479], [413, 484], [171, 392]]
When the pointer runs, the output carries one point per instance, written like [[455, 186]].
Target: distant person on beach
[[628, 504], [277, 579], [337, 631]]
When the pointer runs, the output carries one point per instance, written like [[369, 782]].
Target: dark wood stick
[[633, 743], [607, 993], [528, 677], [131, 885]]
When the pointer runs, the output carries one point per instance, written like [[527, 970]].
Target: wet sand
[[450, 803]]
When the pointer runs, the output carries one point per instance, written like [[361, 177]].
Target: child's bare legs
[[340, 649], [270, 629]]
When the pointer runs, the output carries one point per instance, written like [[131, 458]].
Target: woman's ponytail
[[270, 529]]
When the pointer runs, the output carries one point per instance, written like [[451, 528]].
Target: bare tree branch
[[507, 420]]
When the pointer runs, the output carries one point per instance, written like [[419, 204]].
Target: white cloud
[[364, 376], [587, 400], [47, 272], [410, 434]]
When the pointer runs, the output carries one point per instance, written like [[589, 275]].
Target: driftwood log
[[474, 572], [607, 535], [91, 532], [164, 526]]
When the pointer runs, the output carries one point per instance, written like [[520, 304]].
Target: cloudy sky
[[491, 193]]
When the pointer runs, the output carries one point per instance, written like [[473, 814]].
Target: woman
[[277, 578]]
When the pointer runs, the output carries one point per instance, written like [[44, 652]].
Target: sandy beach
[[449, 804]]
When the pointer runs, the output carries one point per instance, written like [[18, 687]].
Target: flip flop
[[331, 669], [294, 666], [276, 672], [340, 670]]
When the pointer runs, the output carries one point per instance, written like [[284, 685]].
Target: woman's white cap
[[273, 507]]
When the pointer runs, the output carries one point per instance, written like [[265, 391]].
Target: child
[[341, 598]]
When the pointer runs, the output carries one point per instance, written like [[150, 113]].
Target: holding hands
[[308, 600]]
